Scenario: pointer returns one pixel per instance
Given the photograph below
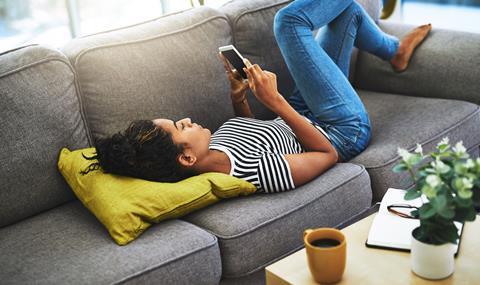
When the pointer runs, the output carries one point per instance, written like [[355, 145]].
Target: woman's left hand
[[238, 86]]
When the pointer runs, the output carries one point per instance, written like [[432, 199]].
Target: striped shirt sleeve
[[274, 173]]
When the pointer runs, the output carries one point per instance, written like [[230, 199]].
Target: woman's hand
[[238, 86], [264, 86]]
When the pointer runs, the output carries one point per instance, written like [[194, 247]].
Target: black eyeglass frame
[[391, 209]]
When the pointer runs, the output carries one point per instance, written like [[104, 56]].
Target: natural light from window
[[460, 15], [55, 22]]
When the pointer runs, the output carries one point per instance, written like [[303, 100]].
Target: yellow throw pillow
[[128, 206]]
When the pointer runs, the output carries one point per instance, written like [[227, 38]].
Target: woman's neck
[[215, 161]]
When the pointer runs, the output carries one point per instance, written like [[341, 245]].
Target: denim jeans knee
[[348, 140]]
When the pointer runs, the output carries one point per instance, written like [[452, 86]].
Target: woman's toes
[[407, 45]]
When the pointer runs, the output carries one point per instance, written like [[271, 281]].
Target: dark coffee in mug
[[325, 242], [326, 250]]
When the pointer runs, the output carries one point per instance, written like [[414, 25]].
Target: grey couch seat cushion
[[165, 68], [404, 121], [41, 113], [256, 230], [67, 245]]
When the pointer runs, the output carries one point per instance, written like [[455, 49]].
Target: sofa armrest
[[445, 65]]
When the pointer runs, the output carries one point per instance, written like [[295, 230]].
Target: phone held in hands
[[235, 59]]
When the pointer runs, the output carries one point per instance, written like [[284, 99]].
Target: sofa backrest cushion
[[163, 68], [40, 114], [445, 65], [252, 27]]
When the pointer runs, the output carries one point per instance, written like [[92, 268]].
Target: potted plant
[[449, 182]]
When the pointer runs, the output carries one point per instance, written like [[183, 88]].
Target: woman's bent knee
[[282, 20]]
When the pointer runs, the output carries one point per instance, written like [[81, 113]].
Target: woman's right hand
[[238, 87], [263, 84]]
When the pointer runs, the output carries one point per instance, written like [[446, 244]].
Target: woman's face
[[192, 136]]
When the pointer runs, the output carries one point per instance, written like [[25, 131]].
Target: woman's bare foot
[[407, 45]]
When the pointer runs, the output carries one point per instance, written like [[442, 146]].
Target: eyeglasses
[[395, 209]]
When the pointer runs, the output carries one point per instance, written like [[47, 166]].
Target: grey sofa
[[168, 68]]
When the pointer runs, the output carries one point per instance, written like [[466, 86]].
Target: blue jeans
[[319, 65]]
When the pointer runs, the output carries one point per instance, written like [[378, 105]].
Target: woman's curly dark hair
[[143, 151]]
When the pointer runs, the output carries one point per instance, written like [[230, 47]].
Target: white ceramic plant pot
[[432, 261]]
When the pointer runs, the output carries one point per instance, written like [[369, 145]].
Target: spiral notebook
[[390, 231]]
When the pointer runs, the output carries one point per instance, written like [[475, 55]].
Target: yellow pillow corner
[[224, 187], [127, 206]]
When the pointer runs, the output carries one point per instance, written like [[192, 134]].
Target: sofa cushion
[[128, 206], [445, 65], [256, 230], [404, 121], [67, 245], [164, 68], [40, 114], [252, 27]]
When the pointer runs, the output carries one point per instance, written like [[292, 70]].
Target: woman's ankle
[[407, 46]]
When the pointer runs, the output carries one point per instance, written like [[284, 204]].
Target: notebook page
[[390, 230]]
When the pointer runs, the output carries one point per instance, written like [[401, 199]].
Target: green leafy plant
[[450, 183]]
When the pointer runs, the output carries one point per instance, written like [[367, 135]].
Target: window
[[25, 21], [55, 22], [95, 16], [462, 15]]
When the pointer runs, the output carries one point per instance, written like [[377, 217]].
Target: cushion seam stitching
[[265, 264], [83, 52], [465, 119], [16, 49], [26, 66], [150, 269], [276, 259], [77, 95], [258, 9], [136, 24], [226, 237], [468, 149]]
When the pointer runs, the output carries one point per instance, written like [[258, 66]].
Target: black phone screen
[[236, 61]]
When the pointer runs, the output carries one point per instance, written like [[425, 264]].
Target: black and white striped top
[[256, 149]]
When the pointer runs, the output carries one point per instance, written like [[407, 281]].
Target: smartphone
[[235, 58]]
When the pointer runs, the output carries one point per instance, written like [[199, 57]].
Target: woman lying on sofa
[[323, 121]]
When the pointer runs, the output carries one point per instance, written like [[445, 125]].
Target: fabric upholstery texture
[[252, 28], [128, 206], [404, 121], [255, 230], [165, 68], [445, 65], [256, 278], [67, 245], [40, 114]]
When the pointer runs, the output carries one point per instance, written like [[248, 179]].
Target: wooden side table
[[379, 266]]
